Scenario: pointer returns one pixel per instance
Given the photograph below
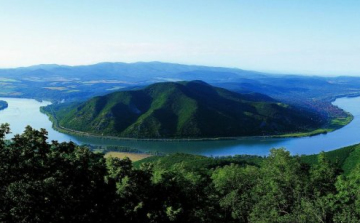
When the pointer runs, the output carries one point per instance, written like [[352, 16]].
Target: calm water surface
[[22, 112]]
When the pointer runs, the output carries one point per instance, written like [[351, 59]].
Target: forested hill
[[185, 109], [61, 182]]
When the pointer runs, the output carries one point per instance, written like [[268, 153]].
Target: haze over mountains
[[130, 72], [70, 83], [59, 83]]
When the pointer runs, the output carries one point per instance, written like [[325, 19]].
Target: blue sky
[[287, 36]]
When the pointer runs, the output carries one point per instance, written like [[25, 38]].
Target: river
[[23, 112]]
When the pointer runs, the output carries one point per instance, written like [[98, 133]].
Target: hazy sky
[[296, 36]]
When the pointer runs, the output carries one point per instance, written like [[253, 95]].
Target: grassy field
[[199, 162], [132, 156], [335, 124]]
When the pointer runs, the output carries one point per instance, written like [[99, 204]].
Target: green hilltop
[[192, 109]]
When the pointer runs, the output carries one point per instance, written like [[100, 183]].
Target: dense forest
[[63, 182], [192, 109]]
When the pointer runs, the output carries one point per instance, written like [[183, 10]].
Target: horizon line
[[265, 71]]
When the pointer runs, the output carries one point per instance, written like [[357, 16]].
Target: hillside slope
[[347, 158], [185, 109]]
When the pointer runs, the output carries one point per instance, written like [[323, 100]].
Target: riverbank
[[334, 124]]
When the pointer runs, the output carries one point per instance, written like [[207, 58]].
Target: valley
[[309, 97], [74, 84], [179, 111]]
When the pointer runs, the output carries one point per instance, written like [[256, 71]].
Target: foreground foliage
[[61, 182]]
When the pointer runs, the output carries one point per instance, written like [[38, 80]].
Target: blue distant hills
[[61, 83]]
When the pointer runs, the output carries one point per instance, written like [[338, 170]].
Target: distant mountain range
[[185, 109], [59, 83], [130, 72]]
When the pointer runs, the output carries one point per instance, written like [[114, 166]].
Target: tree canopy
[[43, 181]]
